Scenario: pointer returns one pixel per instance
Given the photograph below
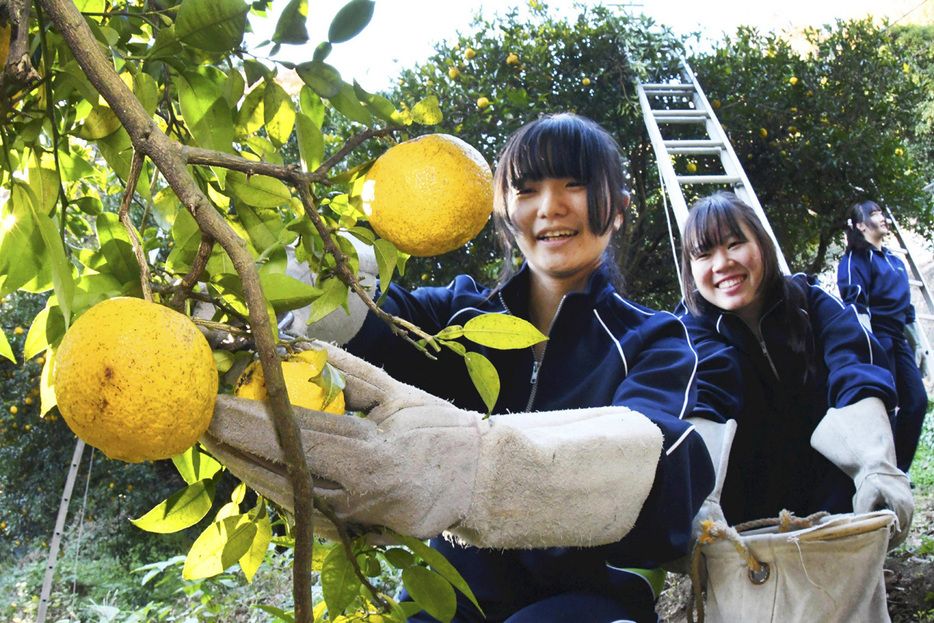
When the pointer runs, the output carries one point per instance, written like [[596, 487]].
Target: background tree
[[820, 129]]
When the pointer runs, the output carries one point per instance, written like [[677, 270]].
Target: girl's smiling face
[[730, 274], [551, 224]]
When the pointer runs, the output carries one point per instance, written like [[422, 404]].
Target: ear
[[618, 220], [861, 226]]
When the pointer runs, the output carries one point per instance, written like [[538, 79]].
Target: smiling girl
[[810, 390]]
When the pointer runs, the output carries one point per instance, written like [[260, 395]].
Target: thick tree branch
[[197, 267], [148, 140]]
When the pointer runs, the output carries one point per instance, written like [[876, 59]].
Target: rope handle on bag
[[758, 572]]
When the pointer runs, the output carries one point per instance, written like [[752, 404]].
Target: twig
[[197, 267], [136, 167]]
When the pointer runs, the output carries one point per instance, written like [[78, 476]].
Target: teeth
[[729, 283], [557, 234]]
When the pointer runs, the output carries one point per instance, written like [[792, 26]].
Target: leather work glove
[[718, 437], [420, 466], [858, 439], [913, 335], [339, 326]]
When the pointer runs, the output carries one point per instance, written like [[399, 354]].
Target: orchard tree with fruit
[[143, 155]]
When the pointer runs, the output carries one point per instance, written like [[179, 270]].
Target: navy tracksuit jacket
[[778, 402], [876, 283], [603, 350]]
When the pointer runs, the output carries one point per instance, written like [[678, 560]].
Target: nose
[[721, 259], [553, 202]]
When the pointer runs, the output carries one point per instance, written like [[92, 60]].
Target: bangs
[[711, 224], [551, 149]]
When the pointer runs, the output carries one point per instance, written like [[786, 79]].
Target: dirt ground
[[909, 572]]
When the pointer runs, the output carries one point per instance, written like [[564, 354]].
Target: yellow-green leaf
[[427, 111], [310, 142], [321, 77], [254, 557], [258, 191], [5, 349], [194, 465], [430, 591], [339, 584], [485, 378], [180, 510], [279, 113], [212, 25], [502, 331], [220, 546], [335, 295], [46, 386]]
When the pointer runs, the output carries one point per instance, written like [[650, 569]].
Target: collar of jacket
[[514, 294]]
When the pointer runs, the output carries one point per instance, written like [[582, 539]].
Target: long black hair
[[563, 145], [859, 213], [719, 217]]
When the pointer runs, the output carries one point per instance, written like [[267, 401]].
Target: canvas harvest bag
[[830, 573]]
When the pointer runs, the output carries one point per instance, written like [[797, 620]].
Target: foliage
[[819, 130], [543, 64]]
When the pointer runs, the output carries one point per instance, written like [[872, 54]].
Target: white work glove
[[339, 326], [420, 466], [718, 437], [858, 439], [912, 333]]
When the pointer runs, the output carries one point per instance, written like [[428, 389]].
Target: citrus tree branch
[[18, 66], [136, 167], [149, 140], [197, 267]]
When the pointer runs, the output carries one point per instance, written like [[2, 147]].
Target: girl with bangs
[[559, 203], [807, 383]]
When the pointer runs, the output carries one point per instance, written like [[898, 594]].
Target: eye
[[576, 184], [736, 243], [702, 255]]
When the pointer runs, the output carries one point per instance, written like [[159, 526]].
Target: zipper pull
[[535, 367]]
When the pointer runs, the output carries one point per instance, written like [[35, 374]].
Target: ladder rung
[[679, 113], [675, 88], [693, 143], [697, 151], [709, 179], [916, 283], [698, 119], [898, 251], [924, 316]]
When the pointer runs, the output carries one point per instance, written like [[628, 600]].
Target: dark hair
[[558, 146], [859, 213], [721, 216]]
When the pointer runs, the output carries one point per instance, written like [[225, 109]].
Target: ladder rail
[[718, 144]]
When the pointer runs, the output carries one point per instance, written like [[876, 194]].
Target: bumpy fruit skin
[[136, 380], [429, 195], [302, 391]]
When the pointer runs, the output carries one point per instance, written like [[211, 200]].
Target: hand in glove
[[913, 335], [339, 326], [858, 439], [718, 437], [420, 466]]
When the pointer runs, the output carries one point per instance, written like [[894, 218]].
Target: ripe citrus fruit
[[136, 380], [454, 72], [303, 391], [483, 102], [469, 53], [512, 59], [692, 168], [429, 195], [586, 82]]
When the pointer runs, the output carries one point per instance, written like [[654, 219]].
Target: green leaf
[[180, 510], [46, 387], [206, 113], [212, 25], [45, 183], [439, 563], [100, 122], [427, 111], [254, 71], [334, 295], [5, 350], [252, 116], [310, 142], [376, 104], [386, 256], [457, 347], [251, 561], [285, 293], [350, 20], [220, 546], [502, 331], [346, 103], [90, 205], [234, 88], [258, 191], [23, 254], [46, 329], [291, 26], [62, 280], [263, 227], [450, 332], [431, 592], [321, 77], [322, 51], [339, 583], [485, 378], [115, 254], [332, 382], [398, 557], [117, 150], [279, 114], [194, 465], [311, 105]]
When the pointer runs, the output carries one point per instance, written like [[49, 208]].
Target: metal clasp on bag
[[761, 576]]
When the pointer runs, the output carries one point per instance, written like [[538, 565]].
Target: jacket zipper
[[537, 364]]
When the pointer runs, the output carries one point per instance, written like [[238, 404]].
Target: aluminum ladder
[[917, 283], [671, 106]]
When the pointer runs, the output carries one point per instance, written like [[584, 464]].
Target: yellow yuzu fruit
[[586, 82], [454, 72], [469, 53], [512, 59], [136, 380], [483, 102], [429, 195], [303, 392], [692, 168]]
